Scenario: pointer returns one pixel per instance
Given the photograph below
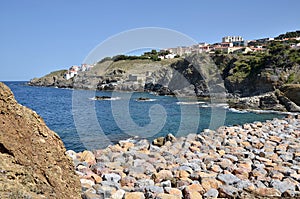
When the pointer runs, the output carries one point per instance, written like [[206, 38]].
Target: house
[[296, 46], [86, 67], [72, 72], [240, 43], [226, 44], [170, 56], [232, 39], [227, 50]]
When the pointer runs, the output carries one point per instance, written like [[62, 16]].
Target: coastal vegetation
[[278, 60], [153, 55], [289, 35]]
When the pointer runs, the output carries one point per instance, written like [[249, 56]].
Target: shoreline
[[260, 159], [233, 103]]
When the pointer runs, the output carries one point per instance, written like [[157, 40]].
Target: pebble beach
[[256, 160]]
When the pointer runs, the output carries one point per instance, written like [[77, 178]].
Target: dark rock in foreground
[[33, 163]]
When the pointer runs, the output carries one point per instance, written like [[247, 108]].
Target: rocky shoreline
[[179, 77], [257, 160]]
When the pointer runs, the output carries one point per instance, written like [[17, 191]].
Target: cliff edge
[[33, 161]]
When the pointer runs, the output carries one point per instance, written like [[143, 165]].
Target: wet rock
[[159, 141], [170, 137]]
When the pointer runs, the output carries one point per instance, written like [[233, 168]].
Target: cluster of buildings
[[73, 70], [229, 44]]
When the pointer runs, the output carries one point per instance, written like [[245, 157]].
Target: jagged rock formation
[[33, 163], [202, 75], [53, 79], [292, 91]]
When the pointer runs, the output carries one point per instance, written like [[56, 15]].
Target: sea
[[82, 122]]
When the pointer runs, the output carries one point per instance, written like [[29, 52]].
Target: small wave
[[67, 89], [106, 99], [215, 106], [64, 88], [189, 103], [114, 98], [237, 111], [271, 111], [147, 100]]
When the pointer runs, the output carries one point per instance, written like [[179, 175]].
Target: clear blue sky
[[38, 36]]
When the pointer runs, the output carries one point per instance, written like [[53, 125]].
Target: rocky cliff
[[33, 161], [239, 75], [53, 79]]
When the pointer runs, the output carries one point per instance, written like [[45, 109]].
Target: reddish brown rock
[[195, 188], [209, 183], [173, 191], [33, 161], [164, 175], [269, 192], [167, 196], [134, 195], [88, 156]]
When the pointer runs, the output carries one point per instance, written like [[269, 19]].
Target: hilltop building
[[73, 70], [232, 39]]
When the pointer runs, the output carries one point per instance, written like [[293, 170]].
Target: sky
[[40, 36]]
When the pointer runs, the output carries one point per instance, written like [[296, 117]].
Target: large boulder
[[33, 163], [292, 91]]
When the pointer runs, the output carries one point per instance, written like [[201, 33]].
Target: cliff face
[[33, 161], [239, 75], [292, 91]]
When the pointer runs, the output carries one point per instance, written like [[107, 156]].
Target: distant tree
[[289, 35], [218, 52], [153, 52]]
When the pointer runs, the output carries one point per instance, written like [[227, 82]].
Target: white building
[[229, 39], [170, 56], [72, 72]]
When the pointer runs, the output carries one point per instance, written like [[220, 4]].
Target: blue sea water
[[82, 122]]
